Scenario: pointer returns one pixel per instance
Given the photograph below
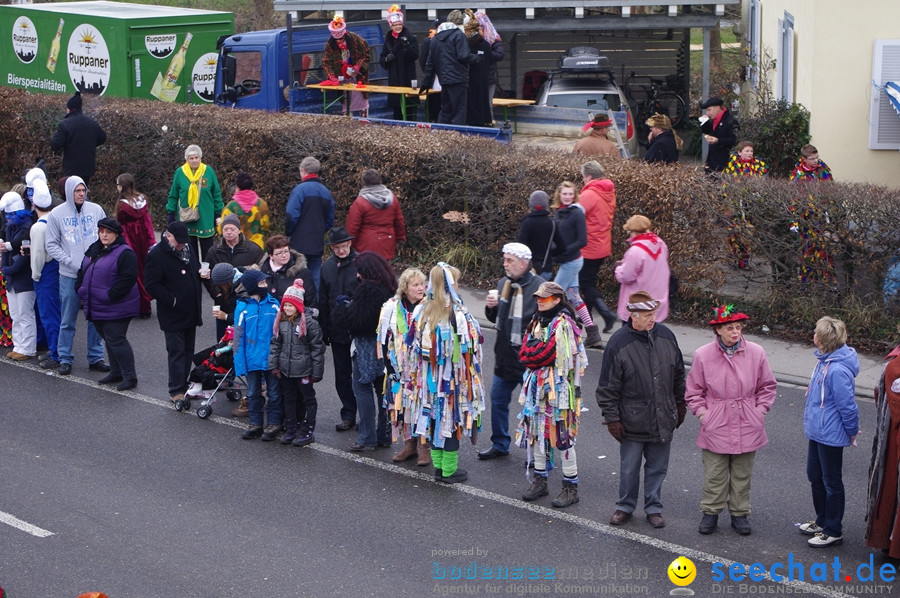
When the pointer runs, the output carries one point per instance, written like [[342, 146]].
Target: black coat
[[361, 315], [77, 137], [479, 109], [663, 148], [572, 229], [448, 58], [536, 231], [506, 356], [176, 287], [338, 279], [402, 68], [282, 279], [726, 132]]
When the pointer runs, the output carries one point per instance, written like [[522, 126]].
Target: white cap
[[41, 197], [11, 202], [520, 250]]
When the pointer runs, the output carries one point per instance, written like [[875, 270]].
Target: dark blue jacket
[[538, 232], [448, 58], [662, 148], [572, 229], [309, 214], [17, 267], [78, 136]]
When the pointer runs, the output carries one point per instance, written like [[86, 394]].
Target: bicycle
[[651, 99]]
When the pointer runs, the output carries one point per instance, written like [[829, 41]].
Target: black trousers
[[201, 246], [300, 404], [587, 285], [343, 380], [180, 350], [454, 99], [121, 356]]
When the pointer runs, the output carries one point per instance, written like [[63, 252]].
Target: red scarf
[[652, 238]]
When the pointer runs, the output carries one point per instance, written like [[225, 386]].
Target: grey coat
[[299, 357]]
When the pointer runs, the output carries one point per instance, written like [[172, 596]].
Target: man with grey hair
[[510, 309], [308, 215]]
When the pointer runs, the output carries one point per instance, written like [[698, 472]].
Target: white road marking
[[602, 528], [23, 525]]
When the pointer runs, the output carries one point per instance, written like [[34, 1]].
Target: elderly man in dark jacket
[[338, 283], [449, 58], [510, 309], [172, 277], [720, 131], [641, 394], [77, 137]]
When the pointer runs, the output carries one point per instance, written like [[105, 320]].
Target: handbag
[[188, 214], [367, 362]]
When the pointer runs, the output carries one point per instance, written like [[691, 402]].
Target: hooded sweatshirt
[[71, 230], [831, 415], [376, 220]]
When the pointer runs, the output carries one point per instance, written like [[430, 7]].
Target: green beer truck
[[112, 48]]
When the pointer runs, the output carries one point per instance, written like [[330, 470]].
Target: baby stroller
[[213, 372]]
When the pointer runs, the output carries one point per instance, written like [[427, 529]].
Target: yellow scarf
[[194, 179]]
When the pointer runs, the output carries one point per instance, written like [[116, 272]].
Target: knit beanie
[[233, 220], [222, 273], [337, 27], [251, 279], [74, 102], [394, 15], [294, 295], [538, 200], [455, 17]]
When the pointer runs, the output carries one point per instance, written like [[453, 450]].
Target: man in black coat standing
[[77, 137], [172, 277], [449, 59], [720, 131]]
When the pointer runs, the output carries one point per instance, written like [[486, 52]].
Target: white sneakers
[[810, 529], [820, 540]]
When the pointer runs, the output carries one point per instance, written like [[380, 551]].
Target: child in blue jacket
[[254, 321], [831, 422]]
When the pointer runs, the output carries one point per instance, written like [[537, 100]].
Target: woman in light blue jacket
[[831, 422]]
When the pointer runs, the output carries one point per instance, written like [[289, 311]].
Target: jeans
[[343, 380], [255, 399], [314, 263], [823, 468], [502, 390], [46, 292], [373, 428], [69, 307], [567, 275], [180, 353], [656, 456], [121, 355]]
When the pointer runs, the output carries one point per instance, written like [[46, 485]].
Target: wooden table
[[346, 88], [511, 103]]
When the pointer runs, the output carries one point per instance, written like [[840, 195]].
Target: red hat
[[600, 121], [294, 295], [229, 334], [725, 314]]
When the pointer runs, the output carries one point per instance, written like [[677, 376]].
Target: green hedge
[[464, 197]]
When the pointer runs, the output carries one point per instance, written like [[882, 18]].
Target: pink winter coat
[[733, 396], [645, 267]]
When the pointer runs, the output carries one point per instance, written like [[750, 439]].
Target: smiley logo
[[682, 571]]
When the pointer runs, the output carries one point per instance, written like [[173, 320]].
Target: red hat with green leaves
[[725, 314]]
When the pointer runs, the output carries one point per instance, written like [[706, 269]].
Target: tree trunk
[[715, 54]]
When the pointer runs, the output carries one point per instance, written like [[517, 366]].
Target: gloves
[[315, 379], [404, 40], [330, 81], [389, 58], [276, 372], [682, 411], [170, 217], [423, 90], [616, 431]]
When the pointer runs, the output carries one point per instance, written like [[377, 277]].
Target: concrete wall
[[833, 51]]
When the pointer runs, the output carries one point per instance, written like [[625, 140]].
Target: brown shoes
[[656, 520], [16, 356], [424, 454], [407, 452], [619, 517], [242, 409]]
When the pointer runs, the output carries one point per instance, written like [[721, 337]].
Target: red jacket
[[598, 198], [376, 220]]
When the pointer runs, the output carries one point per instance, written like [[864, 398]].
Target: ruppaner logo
[[88, 60], [25, 39], [203, 76], [161, 46]]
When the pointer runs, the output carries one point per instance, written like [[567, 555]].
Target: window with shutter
[[884, 122], [785, 65]]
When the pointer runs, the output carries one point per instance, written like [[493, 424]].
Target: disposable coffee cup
[[26, 247], [414, 84], [216, 307], [494, 294], [204, 268]]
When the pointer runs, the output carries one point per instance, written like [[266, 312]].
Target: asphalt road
[[118, 492]]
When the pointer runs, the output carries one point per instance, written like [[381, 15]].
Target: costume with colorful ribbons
[[812, 223], [741, 229], [555, 358], [395, 339], [448, 378]]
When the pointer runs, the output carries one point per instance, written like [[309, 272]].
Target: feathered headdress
[[725, 314]]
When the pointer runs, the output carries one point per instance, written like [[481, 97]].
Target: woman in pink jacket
[[730, 388], [644, 267]]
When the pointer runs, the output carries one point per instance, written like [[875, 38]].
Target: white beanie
[[41, 197], [11, 202], [33, 175], [519, 250]]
